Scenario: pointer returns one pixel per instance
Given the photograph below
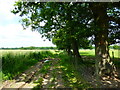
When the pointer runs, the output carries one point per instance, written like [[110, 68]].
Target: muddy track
[[27, 78]]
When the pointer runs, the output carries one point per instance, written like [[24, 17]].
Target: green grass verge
[[14, 64]]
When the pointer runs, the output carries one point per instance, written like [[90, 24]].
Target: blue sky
[[12, 33]]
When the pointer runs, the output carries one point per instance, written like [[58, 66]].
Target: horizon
[[26, 47]]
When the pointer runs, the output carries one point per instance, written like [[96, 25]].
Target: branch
[[117, 20]]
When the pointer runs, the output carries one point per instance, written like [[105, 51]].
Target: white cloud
[[5, 8], [12, 33], [6, 17], [14, 36]]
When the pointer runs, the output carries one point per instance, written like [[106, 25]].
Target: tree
[[104, 65], [64, 16], [75, 19], [61, 41]]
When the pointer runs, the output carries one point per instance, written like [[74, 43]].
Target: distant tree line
[[114, 47], [29, 48], [45, 48]]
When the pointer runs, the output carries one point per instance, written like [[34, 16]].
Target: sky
[[11, 30]]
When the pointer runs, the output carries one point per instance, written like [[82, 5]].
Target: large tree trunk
[[75, 49], [104, 65]]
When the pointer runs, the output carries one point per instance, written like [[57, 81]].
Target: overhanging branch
[[117, 20]]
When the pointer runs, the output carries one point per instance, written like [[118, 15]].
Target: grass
[[45, 68], [91, 54], [73, 72], [14, 63], [71, 76], [2, 52], [88, 52], [116, 53]]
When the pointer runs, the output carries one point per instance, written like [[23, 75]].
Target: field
[[2, 52], [15, 62], [92, 52], [82, 52]]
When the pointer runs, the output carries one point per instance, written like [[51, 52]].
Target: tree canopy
[[70, 24]]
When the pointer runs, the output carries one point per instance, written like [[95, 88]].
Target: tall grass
[[15, 63]]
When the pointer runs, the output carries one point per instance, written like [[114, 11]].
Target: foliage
[[66, 16], [62, 22], [65, 22], [116, 47], [61, 39], [29, 48]]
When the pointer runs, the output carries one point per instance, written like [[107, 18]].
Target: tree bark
[[104, 64], [75, 49]]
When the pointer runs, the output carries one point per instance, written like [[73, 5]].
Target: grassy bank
[[14, 63]]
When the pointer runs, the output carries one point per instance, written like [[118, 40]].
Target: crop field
[[2, 52]]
